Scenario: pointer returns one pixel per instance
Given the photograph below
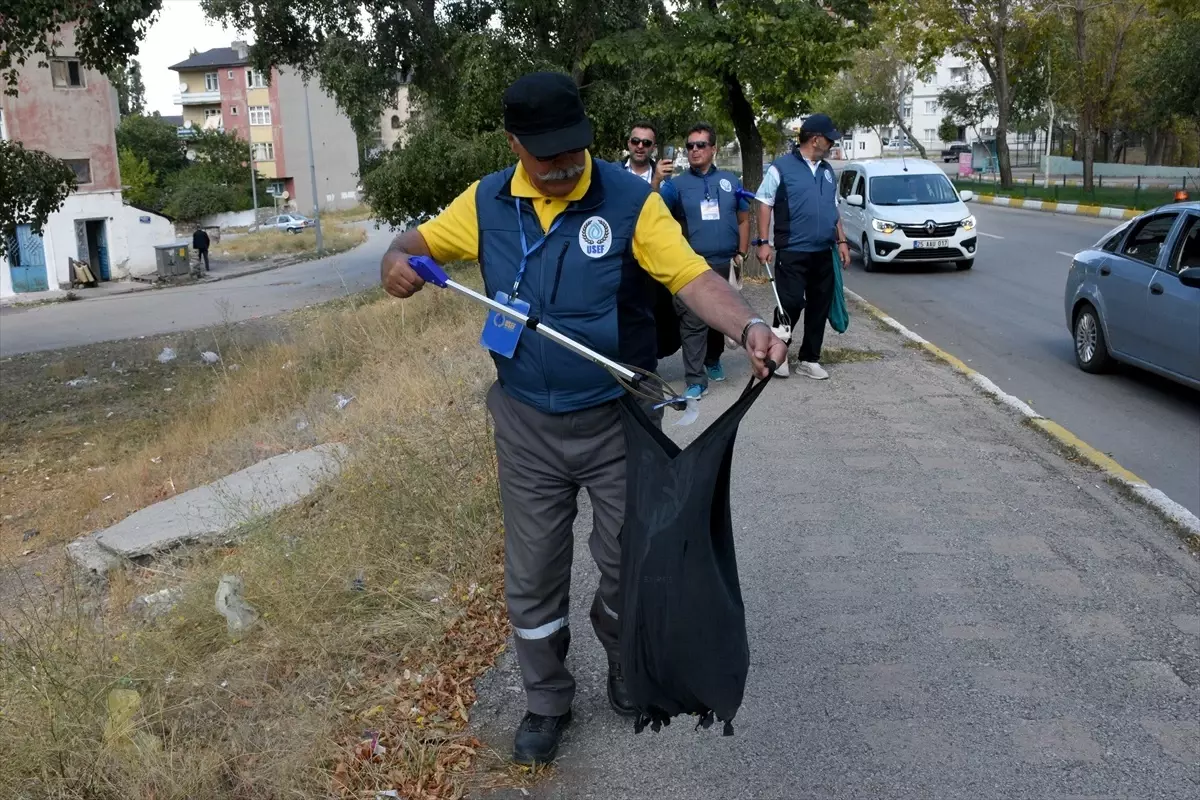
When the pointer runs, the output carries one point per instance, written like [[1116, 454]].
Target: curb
[[1052, 206], [1166, 507]]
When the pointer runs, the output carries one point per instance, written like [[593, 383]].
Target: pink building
[[71, 113]]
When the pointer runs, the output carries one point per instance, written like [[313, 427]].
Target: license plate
[[925, 244]]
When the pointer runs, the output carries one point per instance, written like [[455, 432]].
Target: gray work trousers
[[544, 459], [702, 346]]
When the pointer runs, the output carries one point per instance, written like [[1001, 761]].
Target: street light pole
[[312, 174], [253, 182]]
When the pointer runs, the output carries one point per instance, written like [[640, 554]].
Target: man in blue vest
[[580, 243], [801, 189], [716, 223]]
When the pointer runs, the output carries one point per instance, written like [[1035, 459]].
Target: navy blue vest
[[715, 240], [806, 214], [583, 282]]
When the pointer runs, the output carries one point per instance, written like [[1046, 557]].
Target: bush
[[194, 199], [430, 170]]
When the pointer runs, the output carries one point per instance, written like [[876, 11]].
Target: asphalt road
[[1005, 318], [50, 327]]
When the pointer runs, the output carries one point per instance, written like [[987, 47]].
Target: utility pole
[[312, 174], [253, 181]]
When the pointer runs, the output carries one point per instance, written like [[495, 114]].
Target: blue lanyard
[[704, 177], [527, 251]]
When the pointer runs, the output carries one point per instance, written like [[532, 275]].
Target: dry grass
[[356, 214], [848, 355], [380, 596], [267, 243]]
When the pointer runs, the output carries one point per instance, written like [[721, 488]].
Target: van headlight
[[883, 226], [968, 224]]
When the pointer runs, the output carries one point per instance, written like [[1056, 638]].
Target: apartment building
[[219, 90], [71, 113]]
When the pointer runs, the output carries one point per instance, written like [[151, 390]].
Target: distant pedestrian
[[716, 223], [200, 245], [801, 189], [643, 138]]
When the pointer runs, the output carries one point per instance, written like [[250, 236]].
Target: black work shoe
[[537, 738], [618, 696]]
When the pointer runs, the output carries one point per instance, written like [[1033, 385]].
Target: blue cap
[[822, 124]]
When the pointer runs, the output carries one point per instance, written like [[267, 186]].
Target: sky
[[181, 26]]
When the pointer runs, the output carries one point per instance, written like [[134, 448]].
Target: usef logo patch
[[595, 237]]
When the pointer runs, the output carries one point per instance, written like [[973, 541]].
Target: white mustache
[[561, 174]]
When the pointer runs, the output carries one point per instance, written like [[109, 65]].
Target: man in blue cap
[[801, 189], [580, 243]]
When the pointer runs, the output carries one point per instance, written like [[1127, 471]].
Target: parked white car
[[905, 211], [292, 223]]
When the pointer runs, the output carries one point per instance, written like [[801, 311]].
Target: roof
[[897, 166], [217, 57]]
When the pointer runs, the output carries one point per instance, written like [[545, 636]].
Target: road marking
[[989, 235], [1157, 500], [1062, 253]]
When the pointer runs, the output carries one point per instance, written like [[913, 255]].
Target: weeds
[[380, 597], [848, 355], [266, 243]]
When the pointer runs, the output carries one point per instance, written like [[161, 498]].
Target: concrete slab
[[222, 506]]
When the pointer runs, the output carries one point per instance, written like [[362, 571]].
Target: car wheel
[[964, 264], [1091, 350], [868, 261], [295, 231]]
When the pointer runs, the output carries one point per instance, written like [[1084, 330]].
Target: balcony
[[197, 98]]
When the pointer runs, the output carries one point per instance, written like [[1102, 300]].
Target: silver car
[[292, 223], [1135, 296]]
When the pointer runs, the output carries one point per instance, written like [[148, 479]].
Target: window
[[1187, 252], [907, 110], [1114, 241], [210, 82], [1147, 239], [862, 145], [395, 122], [987, 131], [212, 112], [263, 151], [228, 74], [931, 106], [66, 73], [930, 134], [233, 110], [958, 73], [82, 168], [255, 79], [275, 188], [912, 189], [847, 182], [260, 115]]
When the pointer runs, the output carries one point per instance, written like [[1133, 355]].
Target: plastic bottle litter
[[209, 357], [167, 354]]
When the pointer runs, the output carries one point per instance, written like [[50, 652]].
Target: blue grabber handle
[[429, 270], [743, 194]]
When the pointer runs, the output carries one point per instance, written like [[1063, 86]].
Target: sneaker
[[537, 738], [695, 392], [811, 369], [716, 373], [782, 370], [618, 696]]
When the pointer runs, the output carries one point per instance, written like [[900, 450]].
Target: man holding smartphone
[[643, 138]]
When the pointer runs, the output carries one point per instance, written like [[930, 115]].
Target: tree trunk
[[908, 135], [750, 143], [1086, 122], [1003, 103]]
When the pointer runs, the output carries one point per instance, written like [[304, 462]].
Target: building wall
[[67, 122], [335, 146], [400, 112]]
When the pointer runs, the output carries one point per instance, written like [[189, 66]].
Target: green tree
[[131, 91], [947, 130], [33, 186], [106, 34], [193, 197], [1005, 37], [153, 139], [139, 184], [853, 102]]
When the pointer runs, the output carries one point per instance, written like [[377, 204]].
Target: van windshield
[[912, 190]]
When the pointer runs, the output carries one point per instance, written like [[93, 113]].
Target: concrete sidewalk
[[939, 605]]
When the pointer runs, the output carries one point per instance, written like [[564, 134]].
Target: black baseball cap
[[544, 110], [823, 125]]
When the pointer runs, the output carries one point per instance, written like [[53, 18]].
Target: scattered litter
[[167, 389], [369, 748], [302, 425], [120, 730], [156, 460], [343, 401], [152, 606], [359, 584], [224, 684], [209, 357], [26, 552], [234, 367], [89, 444], [287, 365], [167, 354], [108, 497], [239, 615], [29, 534], [95, 469], [388, 793], [109, 415], [75, 383]]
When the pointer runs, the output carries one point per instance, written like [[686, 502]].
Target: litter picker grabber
[[783, 326], [638, 382]]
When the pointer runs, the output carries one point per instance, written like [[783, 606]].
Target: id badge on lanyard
[[710, 209], [500, 333]]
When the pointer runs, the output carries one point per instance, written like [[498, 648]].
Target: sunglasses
[[563, 153], [698, 145], [636, 142]]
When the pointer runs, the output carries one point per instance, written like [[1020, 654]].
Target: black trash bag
[[666, 322], [683, 626]]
